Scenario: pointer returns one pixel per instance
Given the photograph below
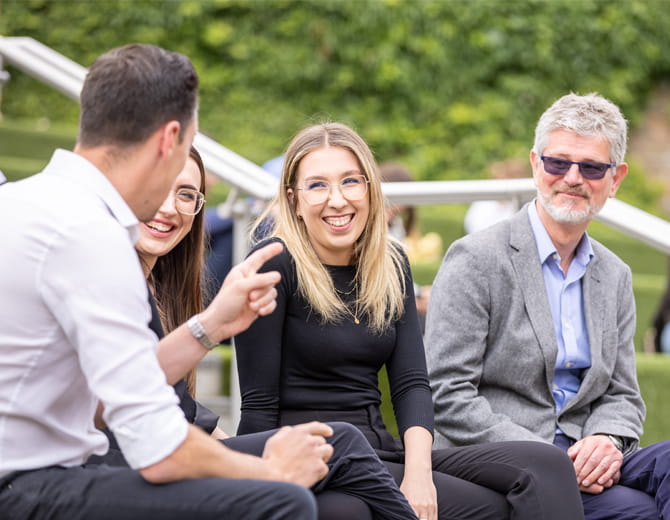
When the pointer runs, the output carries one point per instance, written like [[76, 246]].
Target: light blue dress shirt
[[567, 309]]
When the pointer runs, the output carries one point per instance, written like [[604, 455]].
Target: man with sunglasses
[[530, 326]]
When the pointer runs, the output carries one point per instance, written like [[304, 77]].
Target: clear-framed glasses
[[589, 169], [188, 201], [317, 191]]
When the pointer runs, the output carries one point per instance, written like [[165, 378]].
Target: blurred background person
[[658, 337], [485, 213], [403, 226], [219, 230]]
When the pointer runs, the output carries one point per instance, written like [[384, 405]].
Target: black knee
[[545, 456], [345, 434]]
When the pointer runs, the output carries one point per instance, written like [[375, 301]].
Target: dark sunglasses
[[589, 170]]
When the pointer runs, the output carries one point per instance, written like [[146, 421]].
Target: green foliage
[[444, 86], [25, 146], [653, 371]]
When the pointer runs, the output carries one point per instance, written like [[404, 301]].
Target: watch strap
[[199, 333], [617, 441]]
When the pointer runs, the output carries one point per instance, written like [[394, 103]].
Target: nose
[[169, 206], [335, 197], [573, 176]]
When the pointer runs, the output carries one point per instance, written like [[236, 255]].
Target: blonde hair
[[380, 295]]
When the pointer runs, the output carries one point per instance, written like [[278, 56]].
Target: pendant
[[356, 321]]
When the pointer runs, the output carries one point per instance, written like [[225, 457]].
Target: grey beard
[[566, 214]]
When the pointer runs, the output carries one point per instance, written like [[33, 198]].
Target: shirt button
[[569, 364]]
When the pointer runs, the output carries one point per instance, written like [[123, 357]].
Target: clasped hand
[[597, 463]]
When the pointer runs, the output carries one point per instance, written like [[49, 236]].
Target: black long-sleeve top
[[292, 360]]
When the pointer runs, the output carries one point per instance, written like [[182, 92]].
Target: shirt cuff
[[152, 437]]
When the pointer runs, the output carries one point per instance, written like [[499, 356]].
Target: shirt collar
[[546, 248], [80, 170]]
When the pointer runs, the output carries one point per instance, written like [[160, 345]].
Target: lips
[[572, 193], [159, 229]]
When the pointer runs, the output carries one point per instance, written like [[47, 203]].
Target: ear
[[619, 174], [169, 138], [535, 165], [292, 199]]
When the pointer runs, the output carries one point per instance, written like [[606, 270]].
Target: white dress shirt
[[73, 326]]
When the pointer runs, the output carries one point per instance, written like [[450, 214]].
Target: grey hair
[[589, 115]]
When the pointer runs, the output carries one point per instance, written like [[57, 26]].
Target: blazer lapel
[[524, 258], [592, 293]]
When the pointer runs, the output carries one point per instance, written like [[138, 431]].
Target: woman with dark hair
[[345, 309], [171, 248]]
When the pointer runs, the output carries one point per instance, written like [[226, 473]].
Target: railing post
[[242, 213], [4, 78]]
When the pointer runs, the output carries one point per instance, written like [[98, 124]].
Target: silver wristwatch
[[617, 441], [200, 333]]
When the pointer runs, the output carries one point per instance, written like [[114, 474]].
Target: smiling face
[[168, 227], [571, 199], [333, 226]]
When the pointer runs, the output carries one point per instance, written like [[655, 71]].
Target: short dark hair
[[130, 91]]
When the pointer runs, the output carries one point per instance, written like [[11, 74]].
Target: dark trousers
[[102, 492], [643, 492], [357, 484], [516, 480]]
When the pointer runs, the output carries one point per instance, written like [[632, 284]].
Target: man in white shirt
[[73, 328]]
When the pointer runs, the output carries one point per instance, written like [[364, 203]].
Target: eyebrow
[[187, 186], [348, 173]]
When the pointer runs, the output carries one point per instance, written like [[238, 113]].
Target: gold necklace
[[347, 293], [354, 314]]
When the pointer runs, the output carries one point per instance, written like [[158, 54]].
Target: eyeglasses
[[316, 191], [589, 170], [188, 201]]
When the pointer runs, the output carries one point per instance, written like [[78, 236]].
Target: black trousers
[[357, 480], [100, 492], [516, 480], [358, 485]]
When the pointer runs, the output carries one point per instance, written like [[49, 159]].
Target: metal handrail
[[249, 179], [616, 214]]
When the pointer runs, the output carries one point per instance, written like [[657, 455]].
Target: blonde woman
[[345, 309]]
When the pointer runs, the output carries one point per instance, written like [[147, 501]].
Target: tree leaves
[[444, 86]]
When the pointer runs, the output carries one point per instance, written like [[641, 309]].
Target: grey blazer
[[491, 347]]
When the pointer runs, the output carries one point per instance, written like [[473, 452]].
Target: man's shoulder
[[607, 259], [492, 238]]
